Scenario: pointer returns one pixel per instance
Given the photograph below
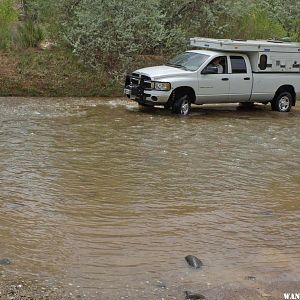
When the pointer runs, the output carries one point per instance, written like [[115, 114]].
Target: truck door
[[240, 79], [214, 87]]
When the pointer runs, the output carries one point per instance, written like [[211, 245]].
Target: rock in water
[[5, 262], [194, 261], [160, 284], [191, 296]]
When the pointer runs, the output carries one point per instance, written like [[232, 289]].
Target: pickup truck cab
[[218, 76]]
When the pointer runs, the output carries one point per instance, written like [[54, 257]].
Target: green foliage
[[8, 17], [29, 34], [257, 23], [47, 14], [107, 34], [207, 18], [287, 13], [244, 19]]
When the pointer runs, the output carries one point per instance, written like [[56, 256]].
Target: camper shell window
[[263, 62]]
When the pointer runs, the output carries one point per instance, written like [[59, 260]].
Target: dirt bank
[[53, 73], [35, 72]]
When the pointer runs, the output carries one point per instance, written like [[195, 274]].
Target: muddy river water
[[96, 195]]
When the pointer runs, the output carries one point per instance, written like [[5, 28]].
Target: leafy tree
[[109, 33], [42, 16], [257, 23], [287, 13], [209, 18]]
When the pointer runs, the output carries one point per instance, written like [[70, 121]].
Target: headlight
[[161, 86]]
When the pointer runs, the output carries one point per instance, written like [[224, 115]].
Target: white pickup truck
[[222, 71]]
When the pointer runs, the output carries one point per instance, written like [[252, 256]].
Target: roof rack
[[245, 45]]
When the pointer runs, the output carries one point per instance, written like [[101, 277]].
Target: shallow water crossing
[[97, 195]]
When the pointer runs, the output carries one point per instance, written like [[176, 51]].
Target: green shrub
[[107, 34], [8, 17], [48, 14], [258, 24], [287, 13], [29, 34]]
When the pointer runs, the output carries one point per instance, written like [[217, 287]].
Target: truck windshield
[[190, 61]]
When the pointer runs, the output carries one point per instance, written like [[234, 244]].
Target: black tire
[[282, 102], [167, 106], [182, 105]]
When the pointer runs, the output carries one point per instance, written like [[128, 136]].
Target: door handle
[[225, 79], [247, 78]]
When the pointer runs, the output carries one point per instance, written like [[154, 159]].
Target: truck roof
[[245, 45], [211, 52]]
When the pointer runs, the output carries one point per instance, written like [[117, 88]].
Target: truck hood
[[160, 72]]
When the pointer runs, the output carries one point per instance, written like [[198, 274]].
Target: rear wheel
[[182, 105], [282, 102]]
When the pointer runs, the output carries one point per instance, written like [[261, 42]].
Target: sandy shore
[[18, 288], [250, 289]]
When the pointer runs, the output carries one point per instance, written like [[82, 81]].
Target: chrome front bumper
[[150, 97]]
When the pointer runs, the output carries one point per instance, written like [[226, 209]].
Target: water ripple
[[95, 192]]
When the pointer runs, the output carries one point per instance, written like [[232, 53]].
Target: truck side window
[[238, 64], [263, 62], [220, 63]]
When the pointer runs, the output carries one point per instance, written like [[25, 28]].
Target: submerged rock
[[5, 262], [194, 261], [191, 296], [250, 277], [160, 284], [267, 213]]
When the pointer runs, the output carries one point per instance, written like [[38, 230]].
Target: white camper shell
[[265, 55]]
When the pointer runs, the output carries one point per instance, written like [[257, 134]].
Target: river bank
[[50, 73], [250, 288], [57, 73]]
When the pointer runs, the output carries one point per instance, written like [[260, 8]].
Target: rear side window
[[238, 64]]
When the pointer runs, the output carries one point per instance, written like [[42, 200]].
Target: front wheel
[[282, 102], [182, 106]]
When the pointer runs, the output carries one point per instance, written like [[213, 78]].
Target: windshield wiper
[[177, 66]]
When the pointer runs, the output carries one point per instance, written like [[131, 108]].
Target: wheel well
[[287, 88], [183, 90]]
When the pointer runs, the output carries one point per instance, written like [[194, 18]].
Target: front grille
[[141, 80], [146, 82], [135, 78]]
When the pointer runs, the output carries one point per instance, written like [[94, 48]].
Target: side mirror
[[210, 70]]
